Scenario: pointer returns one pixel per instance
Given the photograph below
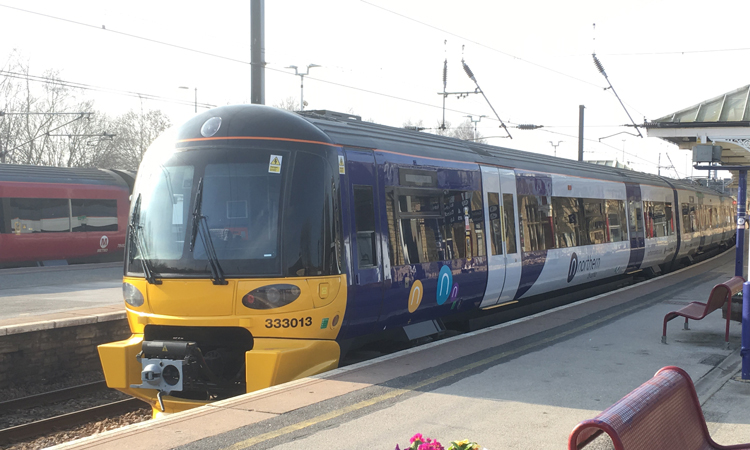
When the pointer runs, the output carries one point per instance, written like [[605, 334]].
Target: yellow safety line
[[397, 392]]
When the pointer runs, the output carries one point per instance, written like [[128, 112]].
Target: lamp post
[[302, 83], [196, 96], [555, 146]]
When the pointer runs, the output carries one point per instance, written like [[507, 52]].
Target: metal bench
[[662, 414], [720, 294]]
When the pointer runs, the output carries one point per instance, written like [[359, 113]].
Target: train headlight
[[269, 297], [132, 295]]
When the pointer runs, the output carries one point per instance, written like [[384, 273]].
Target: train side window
[[648, 216], [39, 215], [536, 215], [636, 218], [395, 252], [687, 225], [3, 226], [422, 240], [566, 214], [615, 220], [93, 215], [364, 219], [669, 216], [509, 217], [659, 219], [594, 224], [496, 225]]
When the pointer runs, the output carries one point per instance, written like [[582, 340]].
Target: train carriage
[[50, 214], [262, 243]]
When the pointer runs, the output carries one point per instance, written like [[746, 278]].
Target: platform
[[523, 384], [34, 294]]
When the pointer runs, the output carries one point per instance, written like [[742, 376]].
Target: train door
[[366, 288], [504, 263], [635, 226]]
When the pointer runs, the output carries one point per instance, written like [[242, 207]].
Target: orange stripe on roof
[[257, 138]]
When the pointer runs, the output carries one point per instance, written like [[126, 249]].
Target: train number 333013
[[287, 323]]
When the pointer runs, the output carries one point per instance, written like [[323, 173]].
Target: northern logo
[[587, 264], [573, 268]]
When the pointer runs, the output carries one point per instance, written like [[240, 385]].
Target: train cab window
[[39, 215], [496, 226], [364, 218], [93, 215], [616, 220], [536, 216]]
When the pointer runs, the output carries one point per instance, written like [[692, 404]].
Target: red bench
[[720, 294], [662, 414]]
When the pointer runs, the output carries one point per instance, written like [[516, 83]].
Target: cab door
[[366, 284], [504, 262]]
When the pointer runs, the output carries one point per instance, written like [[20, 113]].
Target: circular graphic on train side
[[103, 242], [415, 295], [444, 285]]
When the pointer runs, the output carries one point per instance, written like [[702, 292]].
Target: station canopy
[[722, 120]]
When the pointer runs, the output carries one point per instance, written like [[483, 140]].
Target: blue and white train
[[261, 242]]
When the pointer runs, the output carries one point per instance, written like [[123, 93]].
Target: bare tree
[[134, 132], [289, 103], [34, 114]]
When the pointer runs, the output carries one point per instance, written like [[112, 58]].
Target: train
[[60, 215], [262, 243]]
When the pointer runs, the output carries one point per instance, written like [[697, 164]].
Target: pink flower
[[416, 437]]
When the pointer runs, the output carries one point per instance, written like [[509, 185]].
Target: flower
[[463, 445], [419, 442]]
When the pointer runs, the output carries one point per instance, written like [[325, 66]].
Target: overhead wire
[[76, 85], [483, 45], [205, 53]]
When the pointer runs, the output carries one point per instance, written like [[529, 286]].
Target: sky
[[383, 60]]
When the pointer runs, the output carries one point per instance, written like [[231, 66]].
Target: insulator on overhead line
[[445, 73], [598, 65], [528, 126], [468, 71]]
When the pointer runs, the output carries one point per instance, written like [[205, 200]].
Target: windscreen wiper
[[134, 229], [200, 225]]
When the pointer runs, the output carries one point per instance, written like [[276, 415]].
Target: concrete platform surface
[[521, 385], [33, 294]]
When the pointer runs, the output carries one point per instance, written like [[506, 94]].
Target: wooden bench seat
[[662, 414], [721, 293]]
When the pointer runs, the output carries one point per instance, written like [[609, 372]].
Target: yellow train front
[[233, 278]]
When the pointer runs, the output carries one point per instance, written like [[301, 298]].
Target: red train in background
[[53, 214]]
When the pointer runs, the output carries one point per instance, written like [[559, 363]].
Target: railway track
[[45, 426]]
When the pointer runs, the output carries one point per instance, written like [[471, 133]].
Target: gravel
[[22, 416], [81, 431]]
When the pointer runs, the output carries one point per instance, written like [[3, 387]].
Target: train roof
[[349, 130], [59, 175]]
